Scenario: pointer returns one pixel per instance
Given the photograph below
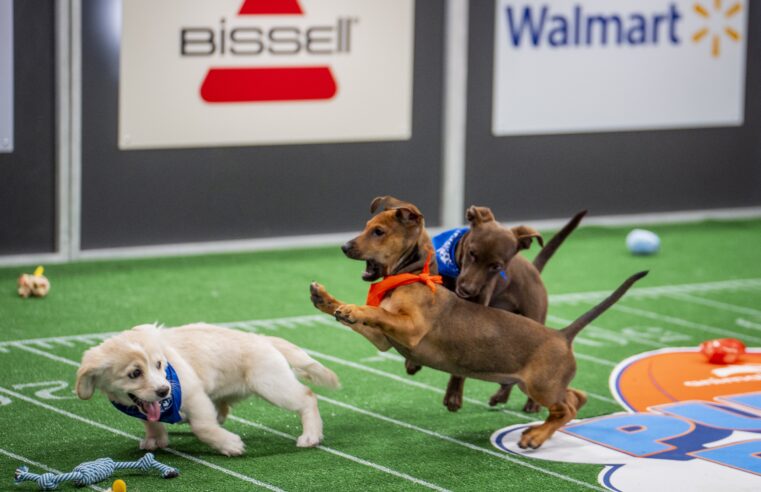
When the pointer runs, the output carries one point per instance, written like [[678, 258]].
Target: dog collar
[[170, 406], [445, 245], [378, 290]]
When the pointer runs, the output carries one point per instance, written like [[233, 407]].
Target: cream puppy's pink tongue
[[152, 411]]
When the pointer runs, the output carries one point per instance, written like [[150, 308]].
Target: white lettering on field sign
[[565, 66]]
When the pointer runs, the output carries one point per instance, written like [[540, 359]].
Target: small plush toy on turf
[[36, 285], [93, 472]]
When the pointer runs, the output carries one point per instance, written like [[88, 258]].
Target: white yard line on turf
[[748, 324], [329, 400], [336, 452], [637, 292], [683, 322], [133, 437], [453, 440], [45, 467], [267, 429], [716, 304], [409, 382]]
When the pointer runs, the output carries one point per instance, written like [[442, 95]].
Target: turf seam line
[[563, 322], [638, 292], [175, 452], [717, 304], [453, 440], [402, 380], [341, 454], [748, 324], [683, 322], [261, 426], [337, 403], [45, 467]]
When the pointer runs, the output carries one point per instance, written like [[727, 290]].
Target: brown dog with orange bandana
[[434, 327]]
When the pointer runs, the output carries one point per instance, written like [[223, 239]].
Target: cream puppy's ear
[[89, 371]]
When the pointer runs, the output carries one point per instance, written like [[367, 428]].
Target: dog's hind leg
[[223, 410], [156, 436], [280, 387], [560, 414], [453, 396]]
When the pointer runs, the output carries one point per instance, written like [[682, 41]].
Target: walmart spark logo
[[720, 15]]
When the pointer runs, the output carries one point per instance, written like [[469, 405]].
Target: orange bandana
[[378, 290]]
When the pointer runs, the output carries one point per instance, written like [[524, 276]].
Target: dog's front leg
[[329, 304], [156, 436], [400, 327], [202, 416]]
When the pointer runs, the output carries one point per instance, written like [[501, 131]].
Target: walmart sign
[[566, 66]]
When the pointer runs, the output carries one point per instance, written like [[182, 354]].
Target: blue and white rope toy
[[92, 472]]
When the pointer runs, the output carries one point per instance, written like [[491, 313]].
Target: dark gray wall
[[27, 175], [608, 173], [141, 197]]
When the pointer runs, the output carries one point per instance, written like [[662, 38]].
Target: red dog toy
[[723, 350]]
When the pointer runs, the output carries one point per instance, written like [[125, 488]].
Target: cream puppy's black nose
[[162, 392]]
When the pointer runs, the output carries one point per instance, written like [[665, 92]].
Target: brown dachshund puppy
[[435, 328], [481, 263]]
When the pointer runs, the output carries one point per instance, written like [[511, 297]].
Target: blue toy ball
[[642, 242]]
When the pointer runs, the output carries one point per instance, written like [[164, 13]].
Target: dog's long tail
[[574, 328], [546, 253], [304, 366]]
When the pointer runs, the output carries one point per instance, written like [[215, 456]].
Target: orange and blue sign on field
[[689, 424]]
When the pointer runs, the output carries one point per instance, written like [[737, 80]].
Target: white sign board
[[6, 76], [259, 72], [566, 66]]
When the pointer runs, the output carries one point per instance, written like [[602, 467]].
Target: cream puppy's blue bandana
[[169, 407]]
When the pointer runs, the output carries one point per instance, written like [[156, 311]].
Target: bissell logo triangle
[[274, 83]]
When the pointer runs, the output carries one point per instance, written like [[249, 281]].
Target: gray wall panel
[[609, 173], [27, 175], [168, 196]]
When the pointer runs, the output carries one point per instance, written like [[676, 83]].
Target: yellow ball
[[119, 486]]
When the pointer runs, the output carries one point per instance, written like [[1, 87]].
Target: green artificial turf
[[384, 430]]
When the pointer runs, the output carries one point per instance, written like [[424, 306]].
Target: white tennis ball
[[642, 242]]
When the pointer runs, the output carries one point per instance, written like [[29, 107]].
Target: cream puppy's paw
[[309, 440], [231, 445], [152, 443]]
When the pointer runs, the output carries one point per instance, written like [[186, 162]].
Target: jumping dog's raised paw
[[321, 299], [345, 314]]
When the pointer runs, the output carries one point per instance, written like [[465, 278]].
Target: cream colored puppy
[[194, 373]]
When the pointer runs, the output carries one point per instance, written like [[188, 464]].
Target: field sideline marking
[[267, 429], [453, 440], [118, 432], [639, 292], [347, 456], [45, 467], [683, 322], [329, 400], [636, 292], [717, 304], [122, 433]]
